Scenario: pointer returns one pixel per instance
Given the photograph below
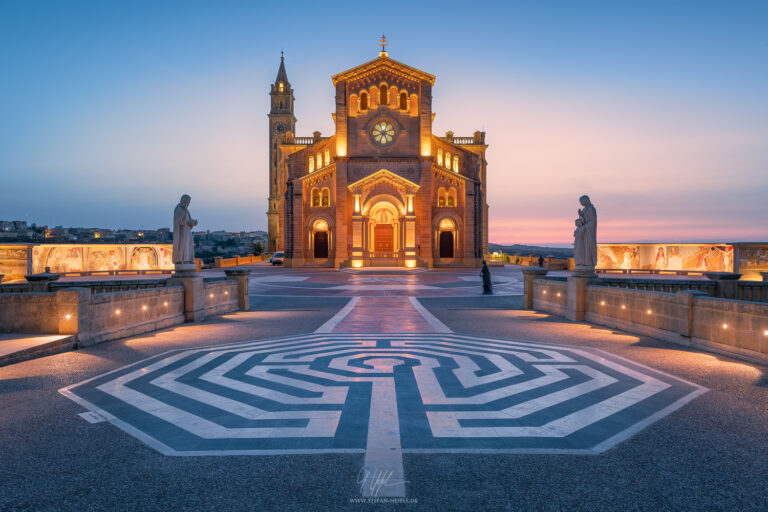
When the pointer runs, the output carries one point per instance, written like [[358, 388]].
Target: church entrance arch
[[320, 239], [384, 229], [447, 239]]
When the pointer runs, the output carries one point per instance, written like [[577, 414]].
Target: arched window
[[403, 100], [383, 95], [447, 159], [451, 197], [446, 224], [439, 157], [325, 197], [455, 163], [280, 87], [363, 101], [441, 201], [311, 164], [319, 160], [327, 157], [315, 197]]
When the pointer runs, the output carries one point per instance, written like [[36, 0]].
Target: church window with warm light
[[383, 133]]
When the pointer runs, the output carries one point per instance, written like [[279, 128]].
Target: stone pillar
[[217, 262], [194, 293], [73, 306], [241, 276], [576, 307], [529, 274], [727, 284], [686, 300]]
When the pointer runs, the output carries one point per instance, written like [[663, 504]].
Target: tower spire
[[282, 76], [383, 43]]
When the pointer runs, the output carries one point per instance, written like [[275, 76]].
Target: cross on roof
[[383, 43]]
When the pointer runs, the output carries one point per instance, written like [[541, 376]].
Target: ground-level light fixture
[[67, 316]]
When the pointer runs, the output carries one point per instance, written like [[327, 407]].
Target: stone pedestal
[[727, 284], [40, 282], [529, 274], [241, 276], [194, 294], [577, 295]]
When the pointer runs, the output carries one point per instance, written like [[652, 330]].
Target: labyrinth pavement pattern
[[383, 395]]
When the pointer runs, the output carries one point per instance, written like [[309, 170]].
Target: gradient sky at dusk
[[109, 111]]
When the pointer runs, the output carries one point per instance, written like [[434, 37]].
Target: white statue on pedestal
[[585, 237], [183, 242]]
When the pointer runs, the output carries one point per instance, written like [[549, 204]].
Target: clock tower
[[281, 120]]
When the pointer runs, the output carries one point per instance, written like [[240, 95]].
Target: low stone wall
[[120, 314], [689, 317], [550, 295], [220, 296], [114, 312], [735, 323], [219, 262], [657, 310], [29, 312]]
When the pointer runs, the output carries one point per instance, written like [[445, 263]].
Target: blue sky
[[111, 110]]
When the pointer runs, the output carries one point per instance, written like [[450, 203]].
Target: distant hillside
[[525, 250]]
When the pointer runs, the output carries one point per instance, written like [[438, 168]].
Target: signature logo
[[372, 480]]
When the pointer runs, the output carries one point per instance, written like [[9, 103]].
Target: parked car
[[278, 258]]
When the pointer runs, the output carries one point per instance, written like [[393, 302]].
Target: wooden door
[[383, 238]]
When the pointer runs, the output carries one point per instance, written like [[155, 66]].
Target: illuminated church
[[383, 190]]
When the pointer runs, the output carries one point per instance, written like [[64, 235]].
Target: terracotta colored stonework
[[383, 190]]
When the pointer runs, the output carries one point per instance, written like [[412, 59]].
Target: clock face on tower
[[383, 132], [280, 128]]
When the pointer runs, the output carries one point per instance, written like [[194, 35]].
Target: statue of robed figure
[[183, 242], [585, 237], [486, 273]]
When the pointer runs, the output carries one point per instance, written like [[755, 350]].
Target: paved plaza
[[349, 390]]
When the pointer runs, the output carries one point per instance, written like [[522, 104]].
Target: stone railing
[[94, 286], [667, 309], [754, 291], [477, 139], [661, 285]]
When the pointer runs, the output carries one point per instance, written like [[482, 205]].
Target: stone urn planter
[[39, 282]]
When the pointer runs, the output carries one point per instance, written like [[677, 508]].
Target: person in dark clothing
[[541, 260], [486, 273]]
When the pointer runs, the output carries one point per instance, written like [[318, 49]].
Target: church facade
[[383, 190]]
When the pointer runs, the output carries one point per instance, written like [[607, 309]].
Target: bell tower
[[281, 120]]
